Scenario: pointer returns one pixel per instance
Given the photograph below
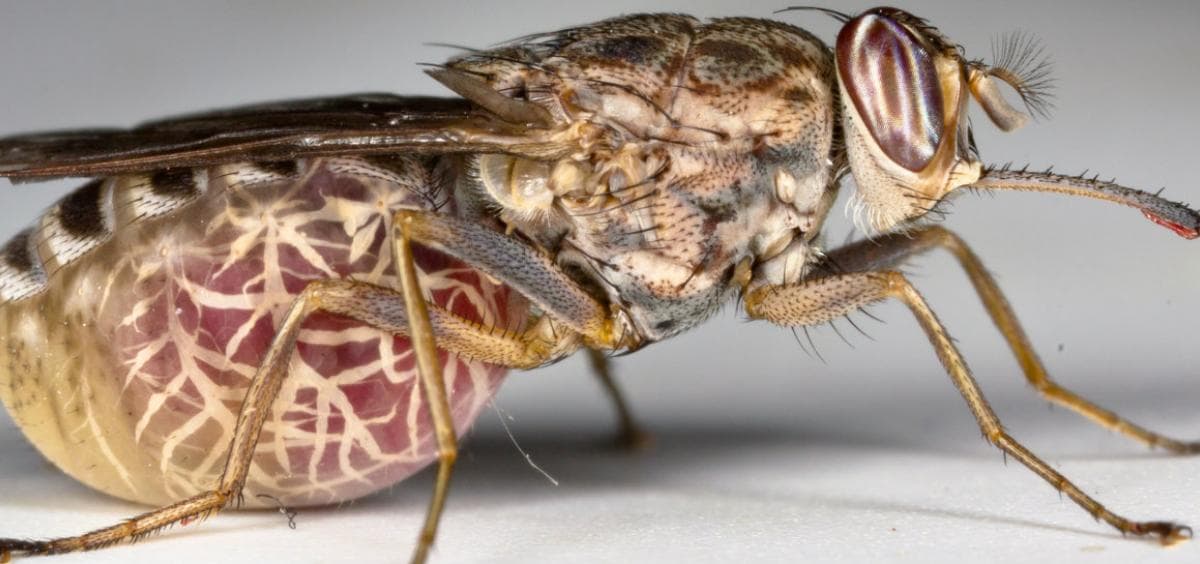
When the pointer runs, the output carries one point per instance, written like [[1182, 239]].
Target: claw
[[1168, 533]]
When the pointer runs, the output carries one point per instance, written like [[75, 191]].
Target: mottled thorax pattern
[[703, 144]]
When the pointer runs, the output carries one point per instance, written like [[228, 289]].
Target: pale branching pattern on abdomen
[[169, 319]]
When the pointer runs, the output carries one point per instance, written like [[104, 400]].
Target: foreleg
[[891, 250], [822, 299]]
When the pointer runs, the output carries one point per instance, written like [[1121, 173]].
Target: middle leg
[[630, 435]]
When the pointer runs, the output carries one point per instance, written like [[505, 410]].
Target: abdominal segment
[[143, 351]]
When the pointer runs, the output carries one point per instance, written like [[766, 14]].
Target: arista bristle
[[1020, 60]]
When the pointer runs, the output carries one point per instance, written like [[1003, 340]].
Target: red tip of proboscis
[[1181, 230]]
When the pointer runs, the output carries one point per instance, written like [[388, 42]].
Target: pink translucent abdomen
[[191, 329]]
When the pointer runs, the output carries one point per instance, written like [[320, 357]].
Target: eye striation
[[893, 82]]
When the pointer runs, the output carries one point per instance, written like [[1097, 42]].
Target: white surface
[[763, 453]]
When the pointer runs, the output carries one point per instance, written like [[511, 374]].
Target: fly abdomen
[[87, 217], [143, 304], [80, 222], [75, 225], [21, 272]]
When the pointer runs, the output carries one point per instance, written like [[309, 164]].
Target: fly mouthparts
[[1175, 216]]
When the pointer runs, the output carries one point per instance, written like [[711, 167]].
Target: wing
[[355, 124]]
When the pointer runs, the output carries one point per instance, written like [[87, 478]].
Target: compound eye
[[892, 80]]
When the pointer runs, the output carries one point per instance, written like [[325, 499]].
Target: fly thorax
[[664, 249], [783, 248], [701, 145]]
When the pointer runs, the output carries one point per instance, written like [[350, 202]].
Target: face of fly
[[904, 91]]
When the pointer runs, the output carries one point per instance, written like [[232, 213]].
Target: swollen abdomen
[[132, 334]]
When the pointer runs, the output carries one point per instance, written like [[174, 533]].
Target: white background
[[763, 453]]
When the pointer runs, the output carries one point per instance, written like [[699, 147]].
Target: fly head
[[904, 91]]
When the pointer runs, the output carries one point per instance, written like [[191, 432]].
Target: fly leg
[[824, 299], [255, 408], [522, 268], [519, 266], [630, 435], [430, 371], [890, 250], [535, 275]]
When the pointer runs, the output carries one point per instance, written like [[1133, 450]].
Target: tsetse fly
[[301, 303]]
